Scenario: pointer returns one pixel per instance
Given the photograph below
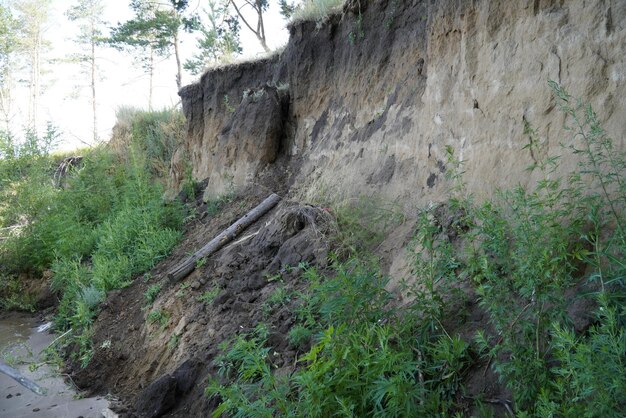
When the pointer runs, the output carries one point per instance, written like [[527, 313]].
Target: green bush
[[152, 293], [366, 361], [299, 336], [159, 316], [107, 224], [155, 133], [209, 296], [531, 248]]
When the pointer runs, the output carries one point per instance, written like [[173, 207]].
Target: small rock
[[9, 396], [36, 409], [256, 283], [107, 413], [195, 285], [221, 298], [238, 306]]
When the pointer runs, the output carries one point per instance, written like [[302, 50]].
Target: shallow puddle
[[22, 339]]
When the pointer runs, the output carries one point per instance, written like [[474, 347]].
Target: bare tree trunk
[[151, 77], [34, 84], [37, 81], [261, 35], [5, 103], [31, 88], [179, 74], [187, 266], [260, 31], [93, 83]]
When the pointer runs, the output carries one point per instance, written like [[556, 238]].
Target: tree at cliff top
[[154, 30], [286, 9], [258, 7], [220, 37], [88, 14]]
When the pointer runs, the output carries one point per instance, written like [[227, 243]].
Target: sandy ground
[[20, 345]]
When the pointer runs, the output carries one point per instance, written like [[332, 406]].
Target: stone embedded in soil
[[161, 395]]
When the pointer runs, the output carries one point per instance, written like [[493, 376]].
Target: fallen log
[[14, 374], [183, 269]]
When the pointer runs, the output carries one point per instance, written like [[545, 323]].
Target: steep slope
[[364, 103], [368, 101]]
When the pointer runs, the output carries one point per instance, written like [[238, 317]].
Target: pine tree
[[155, 30], [9, 28], [88, 14], [33, 16], [220, 37]]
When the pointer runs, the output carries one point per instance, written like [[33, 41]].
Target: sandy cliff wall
[[366, 102]]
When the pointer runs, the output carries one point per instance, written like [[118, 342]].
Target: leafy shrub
[[526, 253], [13, 296], [152, 293], [366, 362], [159, 316], [299, 336], [106, 225], [154, 133]]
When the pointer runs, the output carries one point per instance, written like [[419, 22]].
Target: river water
[[21, 344]]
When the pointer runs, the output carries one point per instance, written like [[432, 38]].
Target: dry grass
[[317, 10], [234, 63]]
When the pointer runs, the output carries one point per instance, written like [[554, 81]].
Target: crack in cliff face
[[559, 63], [415, 74]]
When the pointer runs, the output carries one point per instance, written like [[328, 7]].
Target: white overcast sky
[[122, 83]]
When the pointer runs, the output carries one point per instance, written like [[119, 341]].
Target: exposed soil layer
[[371, 98], [159, 369], [364, 103]]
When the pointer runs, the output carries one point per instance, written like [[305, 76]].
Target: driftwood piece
[[14, 374], [187, 266]]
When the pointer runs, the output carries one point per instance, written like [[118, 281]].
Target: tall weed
[[530, 249], [366, 359]]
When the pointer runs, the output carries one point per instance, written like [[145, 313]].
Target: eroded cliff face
[[368, 101]]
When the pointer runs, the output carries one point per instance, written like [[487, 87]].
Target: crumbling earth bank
[[139, 362], [373, 96], [365, 103]]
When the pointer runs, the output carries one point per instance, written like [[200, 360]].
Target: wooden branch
[[187, 266], [241, 16], [14, 374]]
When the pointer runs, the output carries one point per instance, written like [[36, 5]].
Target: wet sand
[[21, 345]]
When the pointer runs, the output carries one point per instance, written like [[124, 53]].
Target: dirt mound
[[156, 357]]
